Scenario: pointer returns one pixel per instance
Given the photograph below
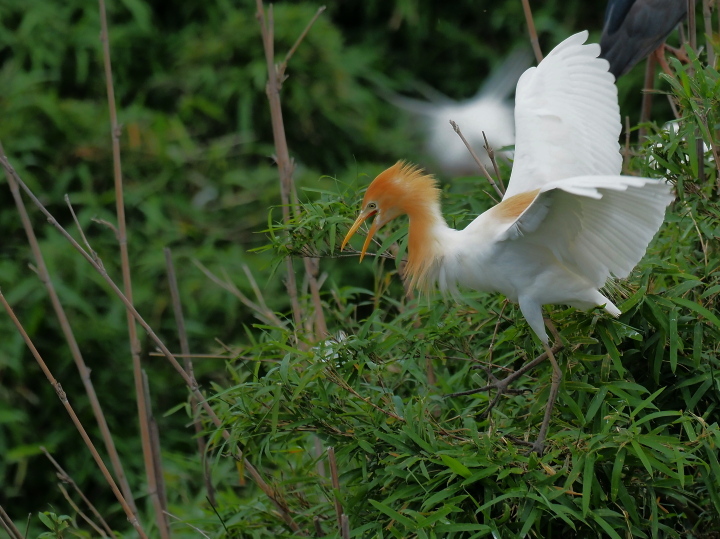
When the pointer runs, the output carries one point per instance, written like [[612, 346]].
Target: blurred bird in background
[[568, 220], [490, 110]]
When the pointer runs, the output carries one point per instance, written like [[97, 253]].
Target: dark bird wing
[[634, 28]]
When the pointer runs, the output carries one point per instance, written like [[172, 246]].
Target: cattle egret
[[635, 28], [568, 219], [489, 111]]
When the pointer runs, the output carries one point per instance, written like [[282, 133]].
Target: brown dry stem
[[276, 77], [187, 362], [191, 383], [531, 30], [153, 475], [66, 403], [9, 525], [495, 186], [66, 478], [66, 328]]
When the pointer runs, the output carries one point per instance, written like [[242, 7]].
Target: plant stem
[[44, 276], [151, 472], [66, 403], [191, 383]]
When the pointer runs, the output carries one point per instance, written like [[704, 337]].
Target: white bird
[[490, 110], [568, 220]]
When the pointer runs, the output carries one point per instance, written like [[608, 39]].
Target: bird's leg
[[502, 385], [539, 444]]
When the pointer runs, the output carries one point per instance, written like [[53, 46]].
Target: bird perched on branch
[[568, 219], [635, 28]]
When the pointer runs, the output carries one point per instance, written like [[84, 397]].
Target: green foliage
[[633, 446]]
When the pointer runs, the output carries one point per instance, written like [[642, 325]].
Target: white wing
[[567, 119], [594, 225]]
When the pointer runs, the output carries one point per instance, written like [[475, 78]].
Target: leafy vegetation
[[633, 446]]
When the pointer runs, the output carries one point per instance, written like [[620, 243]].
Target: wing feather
[[594, 225], [567, 119]]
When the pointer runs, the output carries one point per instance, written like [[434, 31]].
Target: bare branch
[[66, 403], [66, 328], [65, 477], [191, 383], [491, 155], [456, 127], [151, 473], [531, 30]]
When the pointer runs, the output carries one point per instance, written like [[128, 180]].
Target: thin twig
[[185, 347], [456, 127], [155, 448], [66, 403], [344, 526], [707, 19], [318, 527], [276, 76], [80, 230], [191, 383], [66, 328], [9, 525], [151, 473], [79, 511], [343, 384], [335, 478], [531, 30], [491, 348], [282, 157], [188, 524], [262, 312], [66, 478], [283, 65], [491, 155]]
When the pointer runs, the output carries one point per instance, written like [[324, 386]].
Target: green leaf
[[456, 466], [617, 473], [390, 512], [699, 309], [588, 478]]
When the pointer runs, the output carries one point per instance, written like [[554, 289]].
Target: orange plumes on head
[[401, 189]]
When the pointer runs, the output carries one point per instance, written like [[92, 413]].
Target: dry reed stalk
[[456, 127], [66, 403], [262, 311], [66, 478], [707, 19], [9, 525], [79, 511], [153, 475], [188, 364], [44, 276], [491, 154], [335, 478], [191, 383], [155, 447], [276, 76], [534, 41]]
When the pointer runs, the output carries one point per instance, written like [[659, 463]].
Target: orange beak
[[359, 221]]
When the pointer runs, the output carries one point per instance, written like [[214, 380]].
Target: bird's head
[[401, 189]]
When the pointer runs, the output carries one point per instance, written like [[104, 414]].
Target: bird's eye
[[371, 206]]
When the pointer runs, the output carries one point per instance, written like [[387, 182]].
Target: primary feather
[[568, 220]]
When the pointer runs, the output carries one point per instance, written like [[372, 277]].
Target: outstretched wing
[[567, 119], [594, 225]]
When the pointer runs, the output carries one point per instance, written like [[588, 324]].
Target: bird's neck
[[424, 244]]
